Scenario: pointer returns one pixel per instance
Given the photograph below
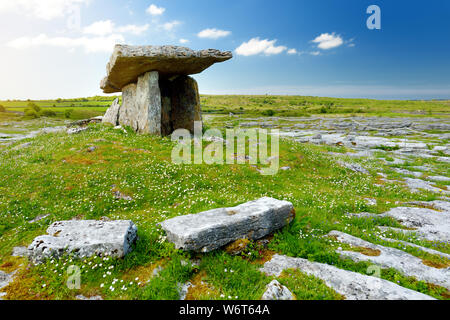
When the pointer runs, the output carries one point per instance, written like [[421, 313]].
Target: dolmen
[[209, 230], [84, 238], [158, 95]]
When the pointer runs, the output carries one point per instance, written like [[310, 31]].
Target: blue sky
[[59, 48]]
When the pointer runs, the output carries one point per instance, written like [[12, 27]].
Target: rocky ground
[[411, 151], [371, 196]]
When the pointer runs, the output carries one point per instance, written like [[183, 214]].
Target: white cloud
[[105, 27], [41, 9], [133, 29], [328, 41], [155, 11], [94, 44], [169, 26], [292, 51], [213, 33], [100, 28], [184, 41], [256, 46], [315, 53]]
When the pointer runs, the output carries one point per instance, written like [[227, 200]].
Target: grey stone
[[428, 224], [5, 279], [388, 257], [352, 285], [93, 298], [353, 166], [127, 63], [112, 114], [84, 238], [19, 252], [141, 105], [432, 251], [185, 104], [210, 230], [415, 185], [39, 217], [183, 289], [276, 291], [76, 130]]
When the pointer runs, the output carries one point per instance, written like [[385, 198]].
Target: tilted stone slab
[[210, 230], [127, 63], [112, 114], [84, 238], [352, 285], [388, 257]]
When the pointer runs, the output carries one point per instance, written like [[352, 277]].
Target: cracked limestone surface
[[393, 258], [352, 285]]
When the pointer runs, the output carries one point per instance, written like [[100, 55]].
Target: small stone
[[276, 291], [93, 298], [76, 130]]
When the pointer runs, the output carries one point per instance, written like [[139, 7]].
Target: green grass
[[56, 175], [279, 106]]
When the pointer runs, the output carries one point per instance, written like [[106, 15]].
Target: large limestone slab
[[352, 285], [393, 258], [127, 63], [210, 230], [141, 105], [84, 238]]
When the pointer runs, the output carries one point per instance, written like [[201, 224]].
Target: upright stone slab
[[112, 114], [185, 101], [180, 104], [141, 105], [210, 230]]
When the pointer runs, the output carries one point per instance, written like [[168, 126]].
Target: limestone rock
[[389, 257], [353, 166], [352, 285], [210, 230], [93, 298], [112, 114], [19, 252], [127, 63], [276, 291], [184, 107], [141, 105], [84, 238], [76, 130], [427, 223]]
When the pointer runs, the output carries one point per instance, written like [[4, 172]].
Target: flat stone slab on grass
[[352, 285], [84, 238], [210, 230], [127, 63], [388, 257]]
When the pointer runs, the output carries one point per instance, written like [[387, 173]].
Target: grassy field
[[58, 177], [283, 106]]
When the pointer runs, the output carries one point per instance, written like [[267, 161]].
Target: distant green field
[[300, 105], [284, 106]]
